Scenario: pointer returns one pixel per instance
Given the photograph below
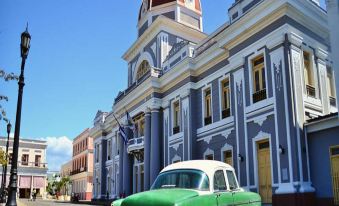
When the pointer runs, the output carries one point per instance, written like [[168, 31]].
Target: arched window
[[143, 69]]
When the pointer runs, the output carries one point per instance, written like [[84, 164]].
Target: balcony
[[333, 101], [226, 113], [136, 148], [80, 170], [135, 144], [208, 120], [259, 96], [32, 164], [310, 91], [176, 130]]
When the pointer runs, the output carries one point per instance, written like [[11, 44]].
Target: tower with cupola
[[162, 25]]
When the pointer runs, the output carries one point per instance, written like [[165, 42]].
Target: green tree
[[67, 182], [3, 159]]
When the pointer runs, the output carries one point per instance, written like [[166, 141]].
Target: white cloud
[[59, 151]]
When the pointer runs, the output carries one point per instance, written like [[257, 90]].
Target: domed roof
[[148, 4]]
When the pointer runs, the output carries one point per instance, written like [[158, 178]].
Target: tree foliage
[[3, 159], [56, 186], [7, 77], [66, 181]]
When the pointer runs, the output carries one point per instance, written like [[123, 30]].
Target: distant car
[[194, 183], [74, 197]]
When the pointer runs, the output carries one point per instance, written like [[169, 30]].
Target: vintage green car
[[194, 183]]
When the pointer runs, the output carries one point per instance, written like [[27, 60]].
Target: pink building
[[82, 165]]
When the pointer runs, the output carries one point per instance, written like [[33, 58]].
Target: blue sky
[[74, 67]]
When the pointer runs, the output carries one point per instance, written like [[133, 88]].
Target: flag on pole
[[121, 130], [123, 134], [130, 120]]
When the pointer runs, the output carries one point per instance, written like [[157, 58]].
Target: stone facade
[[240, 95]]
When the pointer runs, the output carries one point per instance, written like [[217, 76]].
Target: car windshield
[[186, 179]]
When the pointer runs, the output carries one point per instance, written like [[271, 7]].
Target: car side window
[[219, 181], [231, 180]]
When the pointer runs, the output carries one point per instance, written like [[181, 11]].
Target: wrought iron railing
[[135, 145], [80, 170], [259, 96], [134, 141]]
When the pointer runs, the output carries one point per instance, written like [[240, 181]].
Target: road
[[25, 202]]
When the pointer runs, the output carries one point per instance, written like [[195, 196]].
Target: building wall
[[32, 173], [319, 143], [82, 165], [281, 36]]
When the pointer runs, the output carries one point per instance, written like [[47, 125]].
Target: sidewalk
[[20, 203]]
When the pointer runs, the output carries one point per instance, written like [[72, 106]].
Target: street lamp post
[[4, 172], [25, 45]]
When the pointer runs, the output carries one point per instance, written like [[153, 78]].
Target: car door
[[237, 194], [224, 197]]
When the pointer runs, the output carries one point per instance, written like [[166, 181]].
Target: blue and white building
[[241, 95]]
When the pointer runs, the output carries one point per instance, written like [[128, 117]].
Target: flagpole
[[121, 130], [117, 120]]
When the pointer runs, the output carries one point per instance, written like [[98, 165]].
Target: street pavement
[[39, 202]]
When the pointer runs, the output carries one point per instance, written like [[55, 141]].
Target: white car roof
[[207, 166]]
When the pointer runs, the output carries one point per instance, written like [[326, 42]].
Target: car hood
[[161, 197]]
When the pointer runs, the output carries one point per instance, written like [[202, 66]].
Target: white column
[[322, 86], [31, 186], [333, 19], [185, 111]]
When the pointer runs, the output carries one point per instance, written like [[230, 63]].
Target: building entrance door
[[335, 173], [264, 171], [138, 184]]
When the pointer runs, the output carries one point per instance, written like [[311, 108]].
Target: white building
[[241, 95], [32, 166]]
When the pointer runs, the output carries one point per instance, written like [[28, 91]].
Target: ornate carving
[[153, 47], [239, 93], [176, 146], [208, 139], [260, 121], [278, 75], [296, 66], [176, 48], [226, 134]]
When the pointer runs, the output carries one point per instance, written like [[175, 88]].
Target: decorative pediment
[[262, 135], [208, 151], [176, 48]]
